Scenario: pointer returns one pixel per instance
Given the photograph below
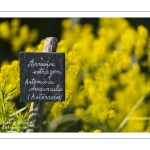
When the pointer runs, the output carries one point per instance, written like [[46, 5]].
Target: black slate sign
[[42, 77]]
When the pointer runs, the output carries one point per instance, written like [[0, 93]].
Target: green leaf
[[4, 83], [18, 111], [12, 107], [9, 94]]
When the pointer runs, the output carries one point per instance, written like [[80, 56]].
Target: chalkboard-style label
[[42, 77]]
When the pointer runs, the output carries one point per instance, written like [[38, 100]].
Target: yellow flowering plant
[[105, 74], [17, 36], [107, 78]]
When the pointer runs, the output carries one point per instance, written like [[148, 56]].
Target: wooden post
[[36, 108]]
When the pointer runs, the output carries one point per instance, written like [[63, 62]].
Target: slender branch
[[139, 118], [130, 113]]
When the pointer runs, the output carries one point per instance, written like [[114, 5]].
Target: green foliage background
[[107, 75]]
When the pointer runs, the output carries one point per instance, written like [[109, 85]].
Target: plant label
[[42, 77]]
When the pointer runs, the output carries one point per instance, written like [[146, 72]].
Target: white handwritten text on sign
[[42, 77]]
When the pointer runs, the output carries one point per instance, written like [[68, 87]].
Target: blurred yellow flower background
[[107, 75]]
